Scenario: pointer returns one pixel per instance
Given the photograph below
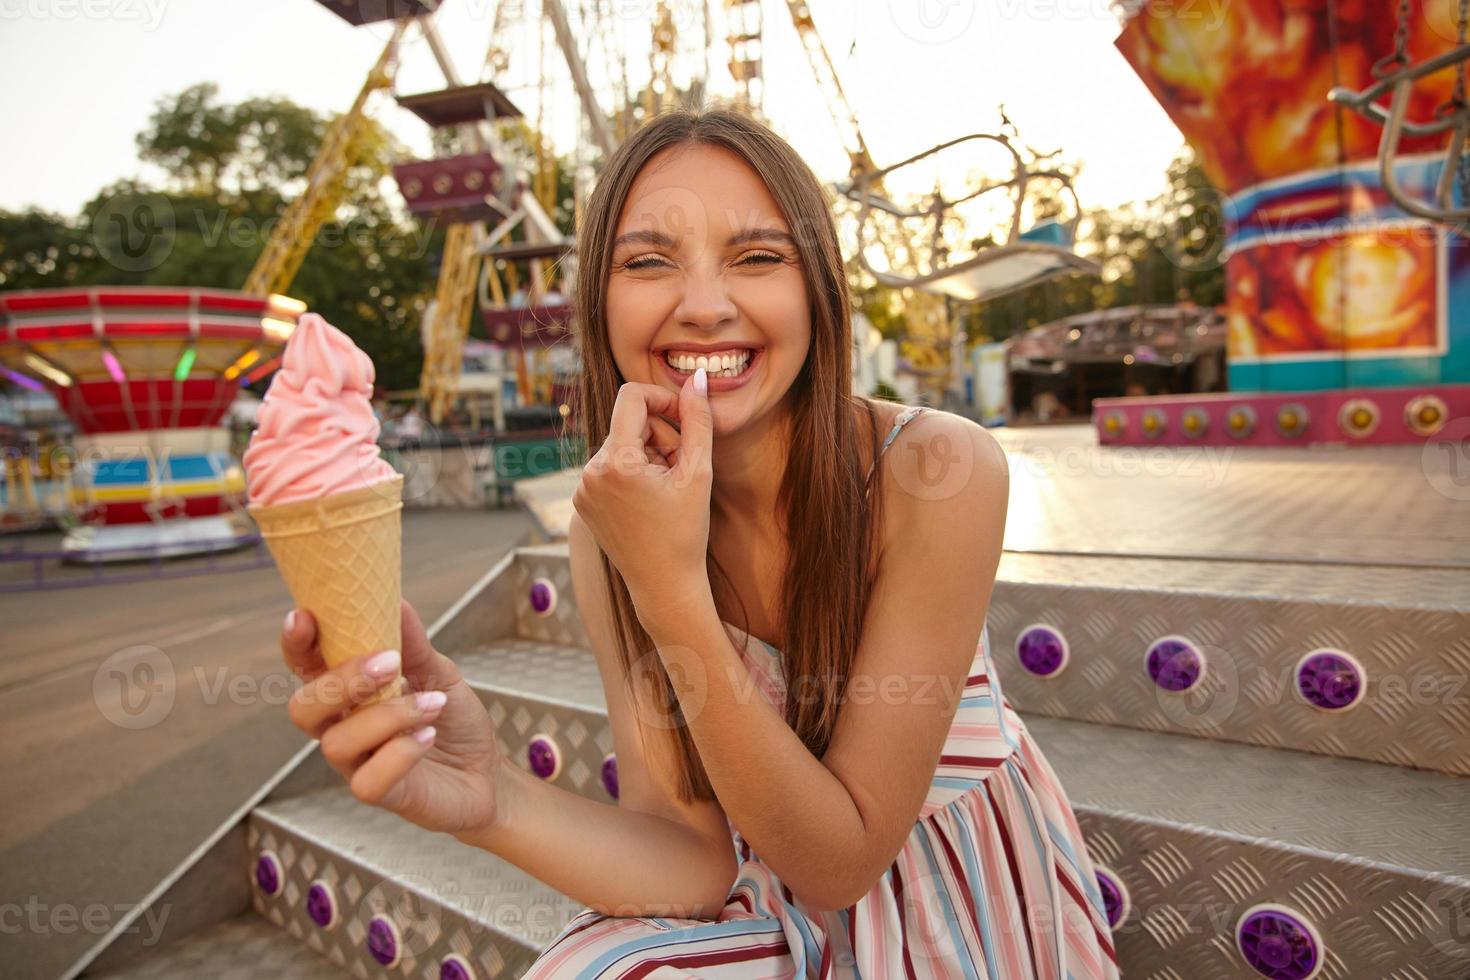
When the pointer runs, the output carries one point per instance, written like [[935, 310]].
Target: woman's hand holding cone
[[429, 756]]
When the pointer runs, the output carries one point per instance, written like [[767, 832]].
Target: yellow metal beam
[[454, 300], [304, 216]]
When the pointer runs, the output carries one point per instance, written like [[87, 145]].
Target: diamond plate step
[[442, 897], [1252, 623], [1195, 831], [1389, 815], [246, 947], [1198, 831]]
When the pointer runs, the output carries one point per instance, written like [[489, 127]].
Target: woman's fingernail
[[427, 701], [382, 665], [290, 623], [701, 382], [425, 735]]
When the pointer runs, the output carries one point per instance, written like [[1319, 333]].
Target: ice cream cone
[[341, 557]]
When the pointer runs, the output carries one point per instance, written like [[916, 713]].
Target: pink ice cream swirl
[[317, 433]]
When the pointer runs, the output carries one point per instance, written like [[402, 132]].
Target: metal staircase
[[1243, 801]]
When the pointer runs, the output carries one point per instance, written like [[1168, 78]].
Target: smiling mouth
[[731, 365]]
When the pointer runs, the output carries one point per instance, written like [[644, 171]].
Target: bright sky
[[79, 78]]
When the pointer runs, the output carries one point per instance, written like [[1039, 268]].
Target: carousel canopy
[[121, 358]]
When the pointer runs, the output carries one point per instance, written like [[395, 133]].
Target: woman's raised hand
[[645, 493], [429, 756]]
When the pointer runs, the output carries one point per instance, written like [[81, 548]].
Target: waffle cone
[[342, 558]]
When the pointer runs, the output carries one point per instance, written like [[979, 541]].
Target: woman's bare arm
[[830, 827], [649, 854]]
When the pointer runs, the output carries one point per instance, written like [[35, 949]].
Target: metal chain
[[1400, 57], [1462, 165], [1460, 40]]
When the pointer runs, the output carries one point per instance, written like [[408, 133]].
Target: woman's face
[[703, 264]]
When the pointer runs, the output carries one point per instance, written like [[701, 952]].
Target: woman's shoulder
[[938, 457]]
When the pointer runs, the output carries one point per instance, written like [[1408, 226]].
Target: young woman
[[818, 773]]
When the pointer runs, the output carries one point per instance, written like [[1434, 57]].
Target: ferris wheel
[[521, 286]]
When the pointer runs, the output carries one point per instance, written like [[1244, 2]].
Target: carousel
[[147, 375]]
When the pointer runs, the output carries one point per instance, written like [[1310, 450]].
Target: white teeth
[[718, 365]]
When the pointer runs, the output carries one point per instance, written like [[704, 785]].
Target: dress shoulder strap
[[903, 419]]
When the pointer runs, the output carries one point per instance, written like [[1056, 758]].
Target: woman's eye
[[650, 261]]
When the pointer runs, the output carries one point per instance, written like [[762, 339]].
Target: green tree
[[231, 169]]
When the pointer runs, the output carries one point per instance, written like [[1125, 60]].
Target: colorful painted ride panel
[[124, 491], [1329, 286]]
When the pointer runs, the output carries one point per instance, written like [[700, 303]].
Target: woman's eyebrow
[[760, 234], [651, 236], [645, 236]]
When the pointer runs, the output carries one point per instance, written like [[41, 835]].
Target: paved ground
[[1339, 504], [105, 793]]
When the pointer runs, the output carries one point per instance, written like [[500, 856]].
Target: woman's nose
[[705, 301]]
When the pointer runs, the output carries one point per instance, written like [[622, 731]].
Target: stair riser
[[429, 929], [582, 738], [1188, 887], [549, 566], [1415, 710], [1188, 890]]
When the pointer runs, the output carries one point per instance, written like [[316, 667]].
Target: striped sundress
[[994, 881]]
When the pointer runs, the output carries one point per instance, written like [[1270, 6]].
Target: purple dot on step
[[1330, 680], [1042, 650], [1174, 664], [1112, 895], [382, 940], [543, 757], [455, 967], [1278, 944], [268, 873], [543, 596], [610, 775], [320, 905]]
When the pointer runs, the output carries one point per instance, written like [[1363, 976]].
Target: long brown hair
[[832, 535]]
